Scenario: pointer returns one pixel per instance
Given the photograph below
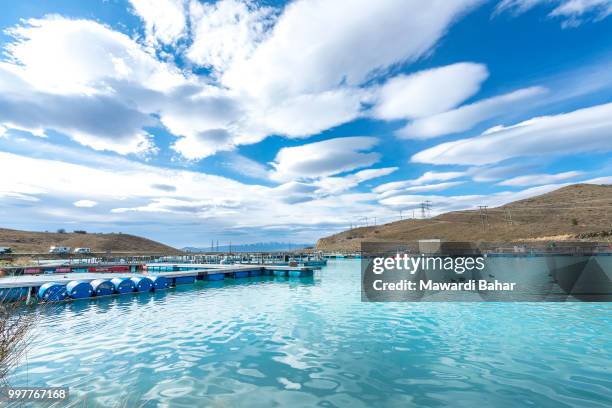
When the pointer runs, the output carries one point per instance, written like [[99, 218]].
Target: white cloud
[[466, 116], [583, 130], [324, 158], [199, 208], [316, 45], [97, 121], [420, 189], [188, 203], [85, 203], [574, 11], [483, 174], [243, 165], [427, 177], [262, 83], [335, 185], [429, 92], [61, 75], [307, 114], [165, 20], [599, 180], [539, 179], [226, 31], [61, 55]]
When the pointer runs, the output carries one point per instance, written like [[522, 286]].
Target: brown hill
[[28, 241], [580, 211]]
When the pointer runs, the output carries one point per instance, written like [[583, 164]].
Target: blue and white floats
[[52, 292], [102, 287], [160, 283], [142, 284], [123, 285], [79, 289]]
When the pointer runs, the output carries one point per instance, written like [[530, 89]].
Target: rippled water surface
[[312, 342]]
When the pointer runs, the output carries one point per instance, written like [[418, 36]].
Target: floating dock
[[78, 285]]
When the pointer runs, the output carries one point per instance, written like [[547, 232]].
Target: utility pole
[[217, 245], [484, 216], [401, 215], [508, 216]]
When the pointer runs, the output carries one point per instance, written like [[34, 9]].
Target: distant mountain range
[[257, 247]]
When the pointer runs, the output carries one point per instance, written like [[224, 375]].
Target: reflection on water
[[311, 341]]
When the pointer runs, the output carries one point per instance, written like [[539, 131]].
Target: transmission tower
[[484, 216], [426, 209]]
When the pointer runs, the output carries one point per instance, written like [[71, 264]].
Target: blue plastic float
[[102, 287], [79, 289], [280, 273], [241, 274], [255, 273], [52, 292], [215, 276], [142, 283], [123, 285], [160, 283]]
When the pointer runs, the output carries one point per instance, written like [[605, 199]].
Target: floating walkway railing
[[55, 288]]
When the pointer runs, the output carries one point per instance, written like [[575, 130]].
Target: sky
[[251, 121]]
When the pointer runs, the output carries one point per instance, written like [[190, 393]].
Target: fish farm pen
[[66, 283], [131, 258]]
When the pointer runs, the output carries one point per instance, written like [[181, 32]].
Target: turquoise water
[[312, 342]]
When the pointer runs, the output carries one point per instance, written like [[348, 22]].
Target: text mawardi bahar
[[412, 264]]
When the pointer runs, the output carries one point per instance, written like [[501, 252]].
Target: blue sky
[[186, 121]]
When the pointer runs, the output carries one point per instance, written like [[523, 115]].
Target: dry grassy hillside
[[27, 241], [580, 211]]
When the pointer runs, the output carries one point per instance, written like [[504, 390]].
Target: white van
[[82, 250], [59, 250]]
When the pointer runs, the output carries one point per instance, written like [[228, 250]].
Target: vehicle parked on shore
[[59, 250], [82, 250], [5, 250]]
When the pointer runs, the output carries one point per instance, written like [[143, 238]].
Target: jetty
[[61, 286]]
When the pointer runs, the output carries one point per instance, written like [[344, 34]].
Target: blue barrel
[[102, 287], [52, 292], [215, 276], [142, 283], [160, 283], [280, 273], [241, 274], [79, 289], [255, 273], [123, 285]]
